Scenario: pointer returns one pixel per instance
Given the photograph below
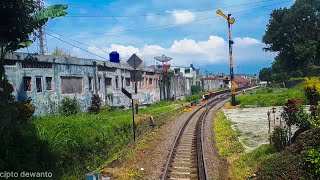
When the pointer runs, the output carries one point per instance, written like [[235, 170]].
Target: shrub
[[312, 162], [95, 104], [69, 106], [311, 89], [25, 110], [281, 165], [195, 89], [279, 138], [193, 98]]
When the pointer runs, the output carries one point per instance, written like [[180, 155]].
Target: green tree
[[265, 74], [18, 29], [293, 33], [21, 19]]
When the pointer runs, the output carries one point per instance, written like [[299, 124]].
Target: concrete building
[[189, 72], [48, 79]]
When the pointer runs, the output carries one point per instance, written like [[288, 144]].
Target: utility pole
[[230, 21], [41, 30]]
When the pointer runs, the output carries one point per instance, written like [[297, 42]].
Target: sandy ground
[[254, 124]]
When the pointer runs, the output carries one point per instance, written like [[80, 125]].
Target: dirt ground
[[254, 125], [217, 167], [148, 157]]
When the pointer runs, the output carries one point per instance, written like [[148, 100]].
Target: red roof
[[239, 79]]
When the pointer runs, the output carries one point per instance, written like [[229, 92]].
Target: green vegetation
[[226, 138], [292, 33], [95, 106], [241, 164], [280, 165], [69, 106], [22, 20], [195, 89], [70, 146], [246, 164], [288, 157], [269, 97]]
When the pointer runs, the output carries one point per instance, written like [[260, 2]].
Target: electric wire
[[77, 41], [172, 25], [143, 28], [75, 46], [163, 13]]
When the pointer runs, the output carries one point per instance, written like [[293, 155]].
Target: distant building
[[48, 79], [241, 81], [188, 72]]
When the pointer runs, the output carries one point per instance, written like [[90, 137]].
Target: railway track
[[186, 160]]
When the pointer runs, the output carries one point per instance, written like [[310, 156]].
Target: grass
[[241, 165], [245, 165], [281, 165], [269, 97], [71, 146], [226, 138]]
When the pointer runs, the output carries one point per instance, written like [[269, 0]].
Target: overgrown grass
[[241, 165], [269, 97], [245, 165], [226, 138], [73, 145], [281, 165]]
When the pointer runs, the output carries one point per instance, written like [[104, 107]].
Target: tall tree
[[19, 22], [294, 34], [265, 74]]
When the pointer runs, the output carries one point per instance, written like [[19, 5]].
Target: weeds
[[226, 139], [70, 146], [269, 97]]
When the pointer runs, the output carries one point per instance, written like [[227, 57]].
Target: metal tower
[[40, 4]]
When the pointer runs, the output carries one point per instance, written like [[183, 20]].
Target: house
[[241, 81]]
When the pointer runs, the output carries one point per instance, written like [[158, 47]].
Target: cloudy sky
[[187, 30]]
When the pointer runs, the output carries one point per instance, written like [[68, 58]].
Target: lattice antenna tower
[[42, 42]]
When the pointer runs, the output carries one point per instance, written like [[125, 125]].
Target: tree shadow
[[22, 149]]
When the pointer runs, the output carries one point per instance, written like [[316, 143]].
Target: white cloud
[[83, 10], [214, 50], [175, 17], [152, 50], [246, 41], [188, 46], [183, 16]]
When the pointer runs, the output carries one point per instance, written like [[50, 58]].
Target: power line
[[163, 13], [78, 41], [144, 28], [75, 46], [262, 7], [173, 25]]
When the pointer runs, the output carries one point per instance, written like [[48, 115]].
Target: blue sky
[[189, 31]]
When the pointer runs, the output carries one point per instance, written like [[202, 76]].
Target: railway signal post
[[230, 21]]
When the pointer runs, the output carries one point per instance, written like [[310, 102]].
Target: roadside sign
[[134, 61], [126, 93], [136, 76]]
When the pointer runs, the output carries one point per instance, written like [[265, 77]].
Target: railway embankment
[[278, 139]]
